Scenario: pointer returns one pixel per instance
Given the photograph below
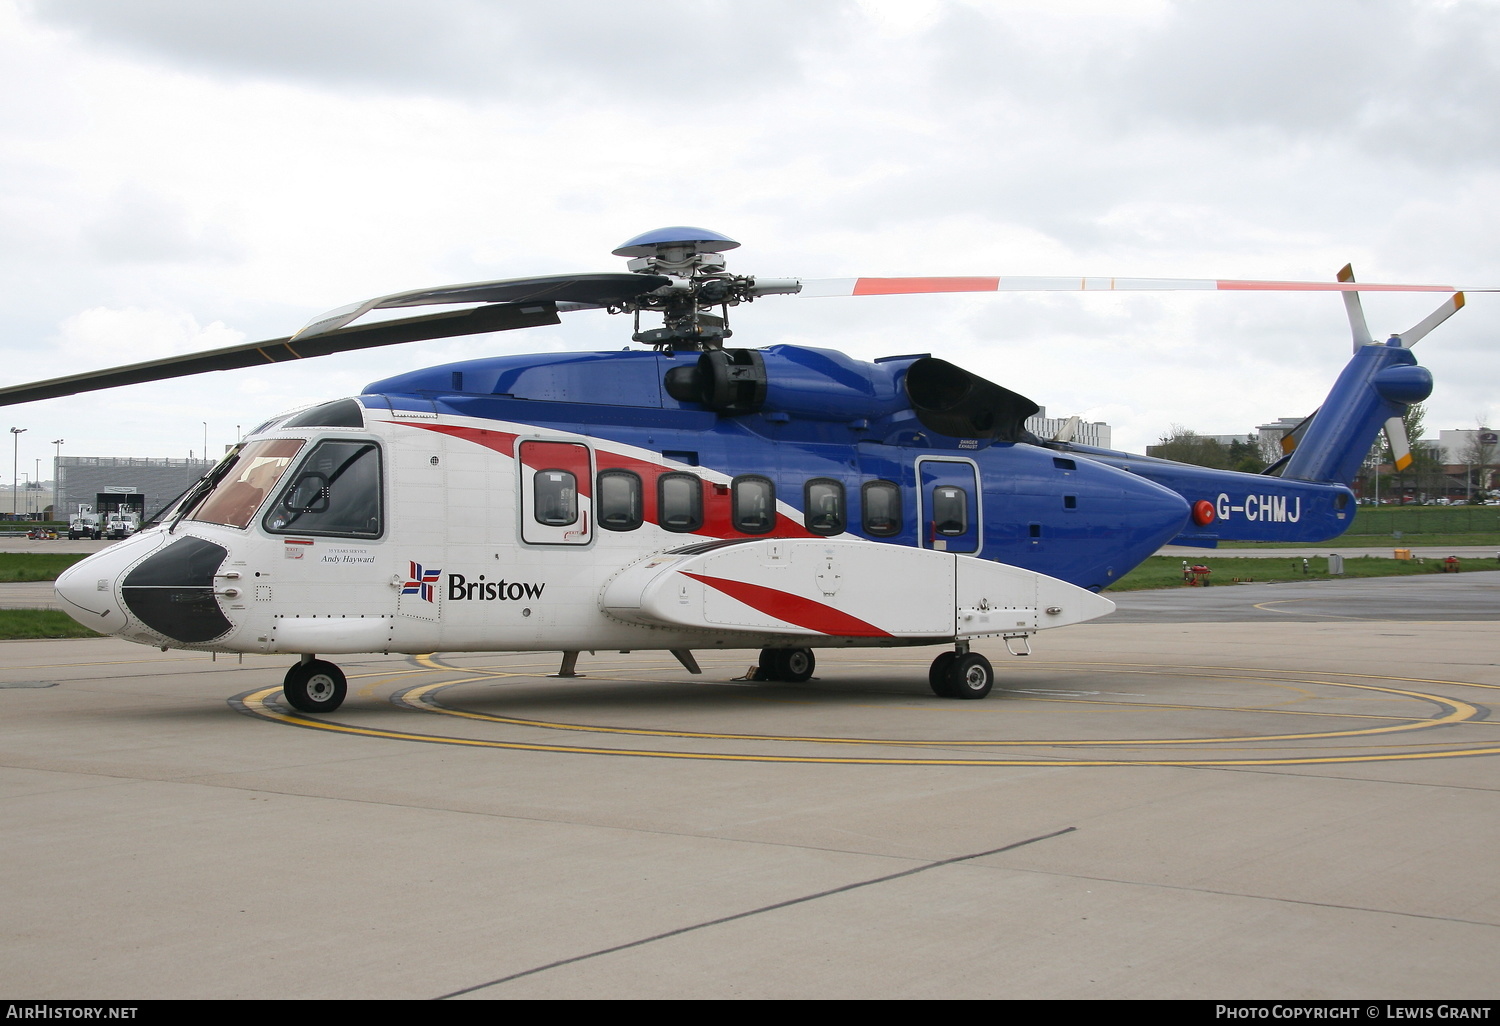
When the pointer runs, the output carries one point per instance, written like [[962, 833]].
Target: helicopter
[[687, 495]]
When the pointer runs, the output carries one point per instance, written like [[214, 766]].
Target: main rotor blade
[[499, 317], [587, 289], [819, 287]]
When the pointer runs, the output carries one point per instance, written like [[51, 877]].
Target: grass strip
[[1166, 571], [26, 624], [16, 567]]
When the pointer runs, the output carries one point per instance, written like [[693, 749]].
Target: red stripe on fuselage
[[717, 521], [814, 616], [502, 442]]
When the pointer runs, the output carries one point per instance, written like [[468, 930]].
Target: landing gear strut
[[961, 674], [314, 686], [793, 665]]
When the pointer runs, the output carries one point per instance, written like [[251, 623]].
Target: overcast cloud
[[181, 175]]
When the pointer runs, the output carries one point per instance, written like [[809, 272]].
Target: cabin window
[[556, 493], [754, 501], [882, 508], [240, 492], [335, 491], [1070, 502], [823, 505], [679, 499], [619, 500], [950, 511]]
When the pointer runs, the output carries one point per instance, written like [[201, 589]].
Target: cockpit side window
[[335, 491], [240, 492]]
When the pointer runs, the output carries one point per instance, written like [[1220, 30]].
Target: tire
[[971, 676], [315, 687], [797, 665], [771, 664], [937, 676]]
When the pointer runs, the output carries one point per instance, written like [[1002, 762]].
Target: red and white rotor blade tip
[[818, 287]]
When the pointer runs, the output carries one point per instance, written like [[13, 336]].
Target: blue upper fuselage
[[821, 414]]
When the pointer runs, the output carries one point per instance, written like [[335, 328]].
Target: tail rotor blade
[[1395, 434], [1356, 312], [1291, 438], [1414, 335]]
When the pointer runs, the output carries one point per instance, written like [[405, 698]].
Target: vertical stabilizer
[[1377, 385]]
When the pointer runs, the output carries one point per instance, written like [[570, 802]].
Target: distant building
[[109, 482], [1095, 433], [1457, 446], [1271, 434]]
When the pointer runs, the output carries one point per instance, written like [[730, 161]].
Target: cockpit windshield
[[239, 494]]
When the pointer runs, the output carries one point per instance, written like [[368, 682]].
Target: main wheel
[[771, 665], [971, 676], [797, 664], [937, 676], [315, 687]]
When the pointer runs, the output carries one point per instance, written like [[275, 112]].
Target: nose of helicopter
[[88, 590], [163, 584]]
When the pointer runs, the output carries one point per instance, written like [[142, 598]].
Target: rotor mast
[[693, 261]]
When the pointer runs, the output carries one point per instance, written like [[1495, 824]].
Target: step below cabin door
[[556, 493], [949, 504]]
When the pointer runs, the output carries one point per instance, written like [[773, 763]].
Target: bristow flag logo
[[421, 582]]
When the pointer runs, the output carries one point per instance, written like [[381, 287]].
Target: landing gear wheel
[[938, 675], [797, 664], [315, 687], [793, 665], [971, 676], [769, 664]]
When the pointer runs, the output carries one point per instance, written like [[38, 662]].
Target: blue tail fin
[[1379, 383]]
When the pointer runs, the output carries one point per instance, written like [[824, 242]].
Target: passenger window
[[823, 506], [556, 498], [680, 502], [754, 501], [619, 500], [882, 508], [950, 514], [336, 491]]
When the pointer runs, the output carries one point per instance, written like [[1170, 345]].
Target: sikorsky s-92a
[[686, 495]]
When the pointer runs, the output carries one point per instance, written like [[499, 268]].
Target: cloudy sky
[[180, 175]]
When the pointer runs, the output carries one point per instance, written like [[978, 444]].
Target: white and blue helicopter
[[688, 495]]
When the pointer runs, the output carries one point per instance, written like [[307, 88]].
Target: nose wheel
[[315, 686], [966, 675]]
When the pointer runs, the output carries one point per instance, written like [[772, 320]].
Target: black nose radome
[[172, 592]]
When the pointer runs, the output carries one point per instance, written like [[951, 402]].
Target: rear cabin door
[[949, 504], [556, 493]]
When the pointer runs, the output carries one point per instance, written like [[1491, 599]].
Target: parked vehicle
[[84, 523]]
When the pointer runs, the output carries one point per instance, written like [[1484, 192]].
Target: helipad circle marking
[[260, 704]]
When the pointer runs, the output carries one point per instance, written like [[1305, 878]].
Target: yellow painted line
[[1458, 712], [254, 703], [1271, 669]]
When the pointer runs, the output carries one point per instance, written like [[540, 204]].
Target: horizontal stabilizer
[[818, 587]]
